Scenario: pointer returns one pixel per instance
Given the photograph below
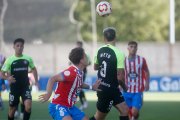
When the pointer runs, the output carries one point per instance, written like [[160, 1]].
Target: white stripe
[[137, 72], [127, 69], [72, 90]]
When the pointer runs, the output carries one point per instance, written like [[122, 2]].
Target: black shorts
[[14, 96], [108, 99]]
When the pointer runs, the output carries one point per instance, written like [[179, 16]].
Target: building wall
[[162, 58]]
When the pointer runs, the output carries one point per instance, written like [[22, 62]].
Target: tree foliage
[[142, 20]]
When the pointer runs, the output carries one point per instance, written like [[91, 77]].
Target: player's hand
[[11, 79], [44, 97], [96, 85]]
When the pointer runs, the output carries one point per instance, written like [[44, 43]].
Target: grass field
[[157, 106]]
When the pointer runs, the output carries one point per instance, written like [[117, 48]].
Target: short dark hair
[[76, 55], [132, 42], [19, 40], [109, 33]]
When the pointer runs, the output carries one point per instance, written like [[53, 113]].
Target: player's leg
[[59, 112], [104, 105], [22, 110], [136, 105], [27, 101], [81, 95], [83, 100], [11, 112], [121, 106], [128, 99], [27, 110], [16, 114], [1, 102], [77, 114], [13, 103], [99, 115]]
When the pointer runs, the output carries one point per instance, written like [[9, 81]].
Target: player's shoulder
[[10, 58], [71, 69], [141, 57], [27, 57]]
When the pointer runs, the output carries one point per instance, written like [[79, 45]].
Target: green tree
[[143, 20], [177, 19]]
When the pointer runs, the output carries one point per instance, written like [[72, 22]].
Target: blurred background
[[52, 27]]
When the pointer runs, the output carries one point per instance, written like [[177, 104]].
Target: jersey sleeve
[[68, 75], [6, 66], [95, 58], [31, 63], [120, 59]]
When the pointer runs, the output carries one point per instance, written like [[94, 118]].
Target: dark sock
[[123, 118], [9, 118], [26, 115], [92, 118]]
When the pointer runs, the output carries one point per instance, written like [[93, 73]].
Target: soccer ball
[[103, 8]]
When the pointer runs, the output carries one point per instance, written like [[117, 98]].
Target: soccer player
[[15, 70], [69, 84], [2, 82], [82, 97], [109, 61], [136, 79]]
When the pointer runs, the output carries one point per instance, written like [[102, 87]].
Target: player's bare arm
[[120, 76], [93, 87], [8, 77], [35, 74], [147, 73], [96, 66], [45, 97]]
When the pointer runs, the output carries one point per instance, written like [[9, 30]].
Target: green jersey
[[18, 67]]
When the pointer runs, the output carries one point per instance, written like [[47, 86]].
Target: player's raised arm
[[49, 88]]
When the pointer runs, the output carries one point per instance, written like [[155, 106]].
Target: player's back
[[66, 92], [107, 61]]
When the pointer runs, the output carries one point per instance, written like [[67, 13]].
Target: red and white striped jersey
[[66, 92], [135, 74]]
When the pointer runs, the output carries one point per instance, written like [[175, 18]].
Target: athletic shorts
[[107, 100], [133, 99], [14, 96], [57, 112]]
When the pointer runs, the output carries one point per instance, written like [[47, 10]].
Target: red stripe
[[139, 70], [129, 77], [134, 62]]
